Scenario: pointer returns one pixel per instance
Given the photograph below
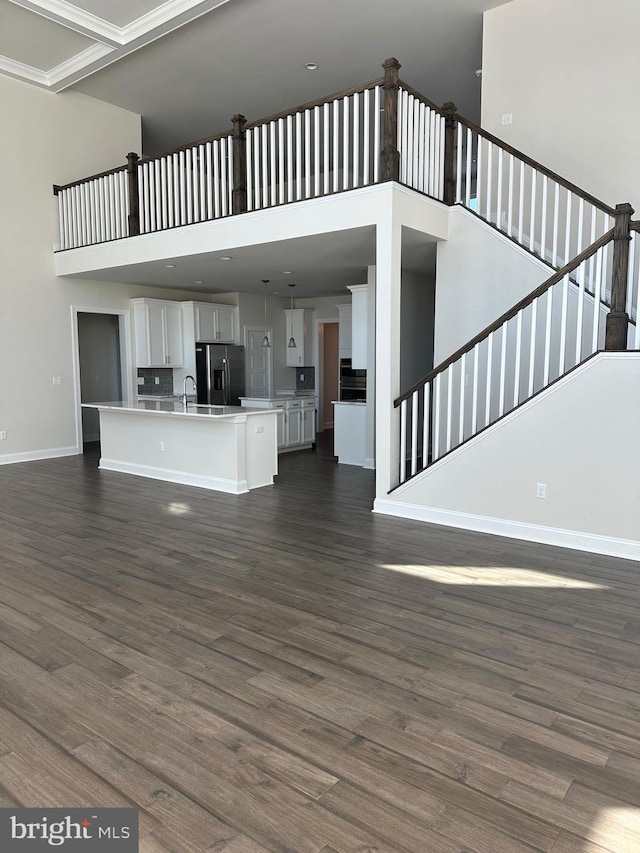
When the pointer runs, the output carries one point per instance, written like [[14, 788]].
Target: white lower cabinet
[[296, 420]]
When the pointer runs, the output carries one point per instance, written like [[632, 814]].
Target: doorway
[[259, 382], [100, 366], [327, 378]]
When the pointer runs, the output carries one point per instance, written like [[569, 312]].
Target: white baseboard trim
[[579, 541], [35, 455], [215, 484], [369, 463]]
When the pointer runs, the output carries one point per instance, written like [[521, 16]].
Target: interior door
[[258, 363]]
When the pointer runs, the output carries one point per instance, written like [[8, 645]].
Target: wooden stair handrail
[[411, 91], [535, 165], [318, 102], [58, 188], [508, 315]]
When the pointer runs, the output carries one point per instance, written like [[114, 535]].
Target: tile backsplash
[[309, 381], [149, 374]]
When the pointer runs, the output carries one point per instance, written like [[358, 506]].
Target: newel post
[[239, 194], [449, 110], [134, 208], [390, 170], [617, 318]]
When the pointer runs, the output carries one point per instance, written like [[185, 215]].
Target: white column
[[387, 379], [370, 449]]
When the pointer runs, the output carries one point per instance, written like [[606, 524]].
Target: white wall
[[47, 139], [567, 71], [416, 326], [570, 438], [480, 274]]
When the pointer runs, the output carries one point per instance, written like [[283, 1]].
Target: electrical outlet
[[140, 380], [302, 377], [3, 435], [156, 380], [259, 429], [56, 380], [541, 490], [507, 118]]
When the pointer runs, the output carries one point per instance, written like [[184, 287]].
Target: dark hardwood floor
[[285, 671]]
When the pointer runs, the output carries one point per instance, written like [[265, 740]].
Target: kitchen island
[[223, 448]]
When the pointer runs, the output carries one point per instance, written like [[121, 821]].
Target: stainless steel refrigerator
[[219, 374]]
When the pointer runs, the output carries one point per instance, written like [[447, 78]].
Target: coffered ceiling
[[187, 66]]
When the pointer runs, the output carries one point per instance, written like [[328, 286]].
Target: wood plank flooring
[[285, 671]]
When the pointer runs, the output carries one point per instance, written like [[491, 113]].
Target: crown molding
[[112, 42], [27, 73], [78, 63]]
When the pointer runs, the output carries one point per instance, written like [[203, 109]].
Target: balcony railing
[[383, 130]]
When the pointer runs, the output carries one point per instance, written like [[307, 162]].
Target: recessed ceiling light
[[225, 258], [198, 282], [311, 66], [169, 266], [287, 272]]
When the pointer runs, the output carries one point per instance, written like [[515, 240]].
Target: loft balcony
[[380, 131]]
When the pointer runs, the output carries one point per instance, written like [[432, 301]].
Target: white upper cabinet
[[344, 330], [299, 327], [359, 326], [158, 331], [213, 323]]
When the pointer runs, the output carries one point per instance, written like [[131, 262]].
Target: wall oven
[[353, 383]]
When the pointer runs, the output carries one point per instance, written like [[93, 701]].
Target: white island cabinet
[[223, 448], [296, 419], [349, 437]]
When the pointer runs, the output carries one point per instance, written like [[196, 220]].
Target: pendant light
[[265, 340], [292, 341]]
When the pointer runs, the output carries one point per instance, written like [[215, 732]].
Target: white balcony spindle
[[521, 204], [435, 449], [422, 129], [290, 174], [461, 402], [479, 173], [298, 158], [487, 401], [356, 141], [414, 433], [503, 369], [543, 227], [532, 214], [282, 180], [377, 112], [426, 420], [264, 151], [517, 362], [189, 184], [183, 190], [366, 137], [580, 312], [596, 302], [556, 224], [316, 151], [510, 198], [307, 153], [489, 180], [458, 163], [547, 337], [336, 145], [273, 175], [474, 390], [449, 408], [499, 205], [563, 325], [467, 177], [217, 181], [403, 441], [345, 143], [532, 347]]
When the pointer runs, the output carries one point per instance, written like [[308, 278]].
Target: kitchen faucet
[[184, 389]]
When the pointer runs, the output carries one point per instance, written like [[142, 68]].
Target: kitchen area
[[224, 388]]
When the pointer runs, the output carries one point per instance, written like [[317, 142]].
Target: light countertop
[[299, 395], [175, 407], [348, 403]]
